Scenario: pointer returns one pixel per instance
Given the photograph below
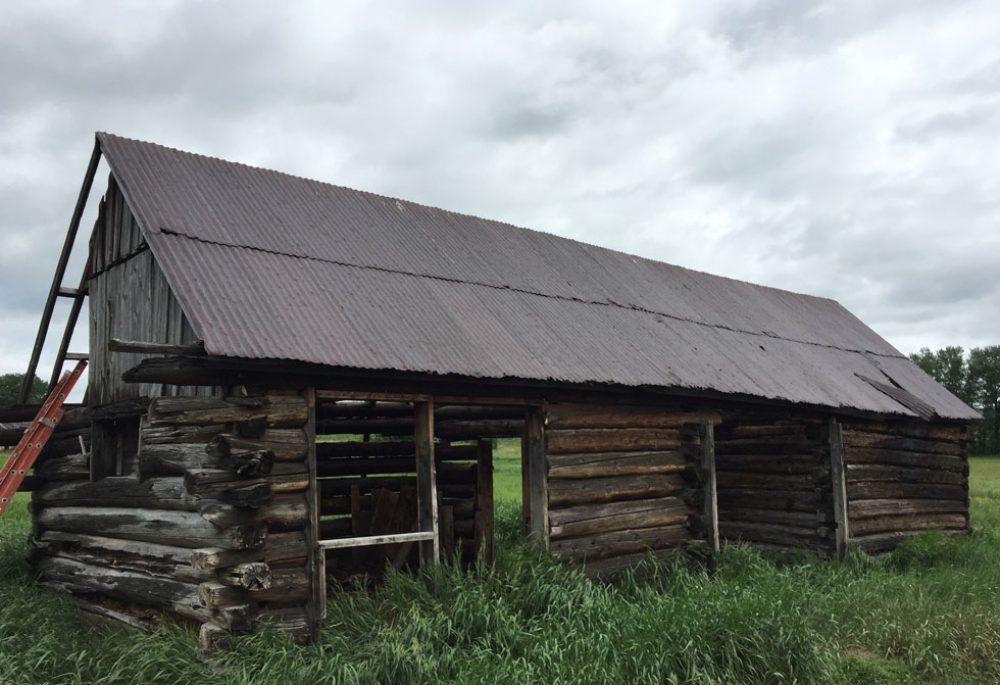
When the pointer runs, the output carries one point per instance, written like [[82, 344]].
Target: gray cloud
[[846, 149]]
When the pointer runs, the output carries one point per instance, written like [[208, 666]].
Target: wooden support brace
[[537, 476], [710, 516], [839, 479], [427, 501]]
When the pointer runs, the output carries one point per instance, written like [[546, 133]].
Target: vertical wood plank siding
[[129, 299]]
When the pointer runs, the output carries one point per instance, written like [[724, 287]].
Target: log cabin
[[292, 383]]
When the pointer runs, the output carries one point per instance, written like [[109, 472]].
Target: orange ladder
[[34, 439]]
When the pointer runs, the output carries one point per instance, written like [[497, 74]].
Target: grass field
[[927, 613]]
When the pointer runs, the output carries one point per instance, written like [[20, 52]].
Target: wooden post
[[316, 608], [427, 503], [838, 477], [484, 499], [710, 500], [538, 486]]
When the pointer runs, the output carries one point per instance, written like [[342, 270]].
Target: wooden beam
[[710, 515], [316, 560], [537, 471], [118, 345], [839, 479], [369, 540], [67, 248], [427, 503]]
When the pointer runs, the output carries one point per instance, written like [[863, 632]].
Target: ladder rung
[[70, 292], [77, 356]]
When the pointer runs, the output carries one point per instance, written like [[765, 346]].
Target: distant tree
[[984, 383], [948, 367], [10, 389]]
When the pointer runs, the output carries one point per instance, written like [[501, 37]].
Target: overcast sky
[[844, 149]]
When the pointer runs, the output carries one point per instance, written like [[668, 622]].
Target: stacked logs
[[213, 527], [367, 481], [395, 419], [774, 486], [72, 431], [622, 482], [904, 478]]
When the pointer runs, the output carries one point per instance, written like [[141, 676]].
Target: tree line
[[973, 377]]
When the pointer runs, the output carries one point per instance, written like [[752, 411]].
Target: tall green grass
[[924, 614]]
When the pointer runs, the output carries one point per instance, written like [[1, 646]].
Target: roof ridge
[[525, 291]]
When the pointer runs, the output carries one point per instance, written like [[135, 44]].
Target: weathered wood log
[[611, 544], [581, 440], [889, 507], [944, 462], [280, 547], [215, 595], [284, 444], [912, 429], [908, 522], [18, 413], [888, 490], [129, 408], [119, 491], [168, 434], [175, 459], [777, 451], [282, 411], [603, 464], [361, 409], [771, 499], [67, 468], [857, 473], [129, 586], [146, 557], [94, 615], [287, 585], [784, 464], [808, 519], [66, 442], [764, 481], [779, 534], [565, 492], [251, 575], [565, 416], [219, 484], [448, 429], [178, 528], [854, 439], [284, 512], [379, 448], [213, 638], [587, 520], [726, 432]]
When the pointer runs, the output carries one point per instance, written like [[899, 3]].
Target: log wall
[[366, 470], [774, 484], [212, 528], [904, 478], [621, 483]]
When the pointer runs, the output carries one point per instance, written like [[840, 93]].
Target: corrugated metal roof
[[272, 266]]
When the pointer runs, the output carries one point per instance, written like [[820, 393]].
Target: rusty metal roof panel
[[268, 265]]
